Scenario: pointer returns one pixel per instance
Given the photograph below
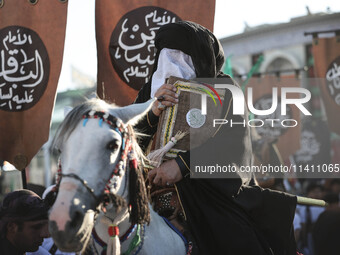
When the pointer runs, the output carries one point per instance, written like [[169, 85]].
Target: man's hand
[[167, 93], [166, 174]]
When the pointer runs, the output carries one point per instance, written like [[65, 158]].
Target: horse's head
[[95, 140]]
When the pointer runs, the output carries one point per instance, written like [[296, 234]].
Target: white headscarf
[[171, 63]]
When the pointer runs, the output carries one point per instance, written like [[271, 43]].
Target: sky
[[230, 18]]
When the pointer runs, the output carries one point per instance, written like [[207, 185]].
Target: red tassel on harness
[[133, 164], [113, 245], [113, 231]]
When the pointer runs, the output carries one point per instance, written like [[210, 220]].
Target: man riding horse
[[224, 216]]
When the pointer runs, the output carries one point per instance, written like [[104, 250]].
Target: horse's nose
[[66, 218], [70, 227], [77, 216], [65, 240]]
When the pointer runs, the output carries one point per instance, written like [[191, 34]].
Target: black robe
[[224, 216]]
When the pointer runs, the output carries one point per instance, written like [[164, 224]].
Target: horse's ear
[[131, 114]]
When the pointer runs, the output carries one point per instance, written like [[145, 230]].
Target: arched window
[[280, 64]]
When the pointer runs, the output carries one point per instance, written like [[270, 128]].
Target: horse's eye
[[113, 145]]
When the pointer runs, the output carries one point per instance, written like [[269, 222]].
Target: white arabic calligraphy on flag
[[132, 43], [24, 68], [333, 80]]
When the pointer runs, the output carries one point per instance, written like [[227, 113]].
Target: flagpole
[[23, 178]]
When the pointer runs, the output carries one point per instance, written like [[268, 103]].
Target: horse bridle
[[116, 124]]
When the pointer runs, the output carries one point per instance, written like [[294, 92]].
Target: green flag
[[227, 66], [253, 70]]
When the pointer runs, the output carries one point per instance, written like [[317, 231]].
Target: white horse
[[101, 190]]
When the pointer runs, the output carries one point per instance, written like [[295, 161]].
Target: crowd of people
[[24, 216]]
